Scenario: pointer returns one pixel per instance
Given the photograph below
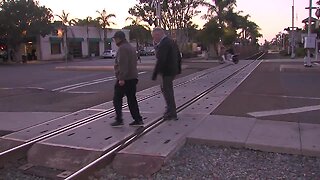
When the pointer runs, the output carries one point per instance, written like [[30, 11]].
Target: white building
[[82, 41]]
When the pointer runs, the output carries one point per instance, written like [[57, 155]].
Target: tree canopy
[[140, 34], [23, 19], [176, 15], [223, 22], [234, 26]]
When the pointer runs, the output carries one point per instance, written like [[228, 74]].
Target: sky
[[272, 16]]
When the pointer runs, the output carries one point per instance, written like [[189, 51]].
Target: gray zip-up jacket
[[126, 62]]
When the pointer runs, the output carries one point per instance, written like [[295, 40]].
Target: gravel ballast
[[204, 162], [194, 162]]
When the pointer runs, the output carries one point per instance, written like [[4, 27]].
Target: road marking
[[82, 92], [283, 96], [87, 83], [38, 88], [285, 111]]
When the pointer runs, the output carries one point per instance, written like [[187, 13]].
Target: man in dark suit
[[168, 65]]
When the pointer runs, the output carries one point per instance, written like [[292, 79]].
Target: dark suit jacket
[[168, 58]]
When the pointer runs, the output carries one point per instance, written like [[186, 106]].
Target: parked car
[[152, 52], [138, 56], [3, 55], [109, 54], [143, 52]]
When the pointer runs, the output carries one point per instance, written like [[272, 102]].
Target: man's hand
[[121, 82]]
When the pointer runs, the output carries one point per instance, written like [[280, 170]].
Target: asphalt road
[[271, 94], [46, 87]]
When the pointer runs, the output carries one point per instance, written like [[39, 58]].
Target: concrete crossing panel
[[204, 105], [20, 137], [77, 147], [151, 151], [15, 121]]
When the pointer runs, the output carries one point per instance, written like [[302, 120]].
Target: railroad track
[[86, 171], [15, 152]]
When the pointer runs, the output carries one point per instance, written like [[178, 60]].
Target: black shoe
[[169, 118], [117, 124], [136, 123]]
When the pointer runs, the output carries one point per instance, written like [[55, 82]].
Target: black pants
[[129, 89], [168, 94]]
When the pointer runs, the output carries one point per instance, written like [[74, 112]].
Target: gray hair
[[158, 29]]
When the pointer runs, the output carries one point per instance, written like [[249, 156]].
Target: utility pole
[[66, 43], [292, 33]]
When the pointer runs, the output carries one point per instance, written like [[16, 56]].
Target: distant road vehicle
[[109, 54], [152, 52], [3, 55], [143, 52], [147, 52]]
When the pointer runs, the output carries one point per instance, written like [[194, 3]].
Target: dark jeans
[[168, 94], [129, 89]]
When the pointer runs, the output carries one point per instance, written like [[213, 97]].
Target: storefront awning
[[75, 39], [108, 40], [94, 39], [55, 39]]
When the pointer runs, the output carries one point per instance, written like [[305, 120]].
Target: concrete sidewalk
[[263, 135], [275, 110]]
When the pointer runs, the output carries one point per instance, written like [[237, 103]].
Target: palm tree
[[104, 22], [230, 21], [138, 31], [249, 30], [64, 17], [85, 22], [137, 21], [219, 9], [211, 34]]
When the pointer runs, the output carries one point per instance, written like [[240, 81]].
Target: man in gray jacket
[[127, 78]]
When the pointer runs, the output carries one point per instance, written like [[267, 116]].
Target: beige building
[[82, 41]]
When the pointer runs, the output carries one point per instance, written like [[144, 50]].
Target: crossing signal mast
[[310, 41], [157, 5]]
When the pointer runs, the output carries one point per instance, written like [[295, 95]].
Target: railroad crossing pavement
[[273, 109], [243, 120], [11, 122]]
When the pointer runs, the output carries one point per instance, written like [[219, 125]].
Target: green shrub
[[300, 52], [284, 53]]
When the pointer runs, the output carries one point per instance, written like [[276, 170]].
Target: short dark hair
[[120, 35]]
